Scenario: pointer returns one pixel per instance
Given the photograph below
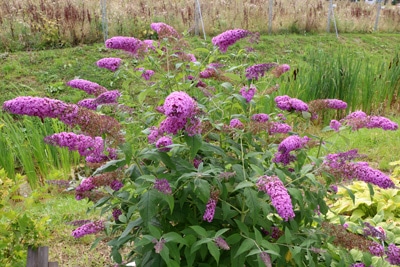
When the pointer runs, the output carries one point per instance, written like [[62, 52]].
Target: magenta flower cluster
[[164, 30], [89, 87], [254, 72], [42, 108], [128, 44], [261, 117], [236, 123], [163, 142], [340, 165], [393, 254], [108, 97], [290, 104], [248, 92], [291, 143], [359, 119], [163, 186], [228, 38], [210, 207], [280, 198], [90, 147], [89, 228], [147, 74], [221, 243], [110, 63], [279, 127]]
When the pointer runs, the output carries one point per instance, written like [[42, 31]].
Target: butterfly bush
[[179, 185]]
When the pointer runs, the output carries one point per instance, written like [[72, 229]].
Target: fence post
[[271, 4], [378, 12], [198, 18], [39, 257], [104, 22]]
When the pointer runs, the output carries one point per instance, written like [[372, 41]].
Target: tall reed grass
[[36, 24], [23, 150]]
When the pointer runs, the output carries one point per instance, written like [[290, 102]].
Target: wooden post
[[39, 257]]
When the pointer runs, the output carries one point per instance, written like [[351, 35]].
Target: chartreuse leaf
[[199, 230], [245, 246], [243, 185], [174, 237]]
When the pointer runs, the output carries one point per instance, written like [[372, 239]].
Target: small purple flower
[[89, 228], [236, 123], [163, 142], [258, 70], [335, 125], [193, 127], [147, 74], [153, 136], [248, 93], [358, 265], [381, 122], [211, 205], [163, 186], [197, 162], [289, 144], [334, 189], [86, 185], [280, 198], [228, 38], [221, 243], [110, 63], [159, 245], [335, 104], [266, 259], [345, 226], [208, 73], [290, 104], [116, 185], [377, 249], [164, 30], [393, 254], [278, 127], [281, 69], [108, 97], [128, 44], [210, 210], [89, 87], [261, 117], [116, 213]]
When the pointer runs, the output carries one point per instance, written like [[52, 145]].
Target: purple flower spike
[[128, 44], [210, 210], [89, 228], [89, 103], [363, 172], [89, 87], [248, 93], [42, 108], [228, 38], [163, 186], [111, 63], [164, 30], [261, 117], [280, 198], [116, 213], [289, 144], [377, 249], [257, 71], [278, 127], [221, 243], [290, 104], [281, 69]]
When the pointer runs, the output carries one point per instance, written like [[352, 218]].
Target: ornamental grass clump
[[212, 179]]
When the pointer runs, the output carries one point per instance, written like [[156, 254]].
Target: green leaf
[[170, 200], [202, 188], [227, 86], [174, 237], [252, 203], [243, 185], [351, 194], [116, 255], [111, 165], [148, 206], [154, 231], [245, 246], [288, 236], [194, 143], [214, 251], [242, 227], [127, 150], [221, 231], [199, 230], [130, 226]]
